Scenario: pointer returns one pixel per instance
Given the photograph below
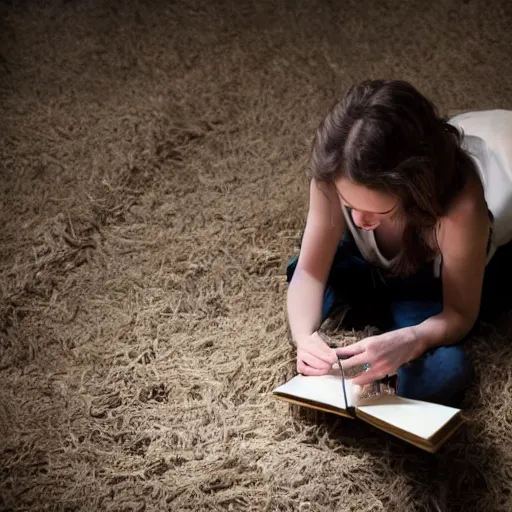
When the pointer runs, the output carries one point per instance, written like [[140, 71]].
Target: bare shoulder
[[470, 203], [324, 205], [324, 229], [467, 221], [463, 240]]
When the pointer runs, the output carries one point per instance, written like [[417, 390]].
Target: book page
[[325, 389], [422, 419]]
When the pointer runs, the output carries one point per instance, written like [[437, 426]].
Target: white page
[[422, 419], [325, 389]]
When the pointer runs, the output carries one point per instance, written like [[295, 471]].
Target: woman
[[406, 213]]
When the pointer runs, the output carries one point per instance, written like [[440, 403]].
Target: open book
[[423, 424]]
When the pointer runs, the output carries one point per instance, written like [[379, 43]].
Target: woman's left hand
[[384, 353]]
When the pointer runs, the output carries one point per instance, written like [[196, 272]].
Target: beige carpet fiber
[[152, 159]]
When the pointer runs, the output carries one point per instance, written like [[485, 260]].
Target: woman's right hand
[[314, 356]]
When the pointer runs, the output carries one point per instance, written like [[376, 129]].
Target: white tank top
[[488, 140]]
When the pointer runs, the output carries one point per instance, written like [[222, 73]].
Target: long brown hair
[[387, 136]]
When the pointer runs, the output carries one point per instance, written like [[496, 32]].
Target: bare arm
[[463, 241], [324, 228]]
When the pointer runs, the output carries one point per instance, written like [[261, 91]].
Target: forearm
[[304, 304], [447, 328]]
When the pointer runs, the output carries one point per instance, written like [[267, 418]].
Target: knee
[[439, 376], [451, 362]]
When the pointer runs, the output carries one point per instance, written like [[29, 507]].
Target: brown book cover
[[422, 424]]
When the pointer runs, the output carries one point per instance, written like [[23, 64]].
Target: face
[[369, 207]]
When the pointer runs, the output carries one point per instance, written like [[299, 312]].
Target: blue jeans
[[440, 375]]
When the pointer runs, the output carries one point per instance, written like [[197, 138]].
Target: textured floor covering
[[152, 159]]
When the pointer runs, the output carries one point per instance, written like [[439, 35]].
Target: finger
[[366, 378], [325, 352], [355, 360], [316, 372], [349, 351], [322, 351], [314, 361], [306, 370]]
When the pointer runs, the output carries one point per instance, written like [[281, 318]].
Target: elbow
[[460, 324], [448, 328]]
